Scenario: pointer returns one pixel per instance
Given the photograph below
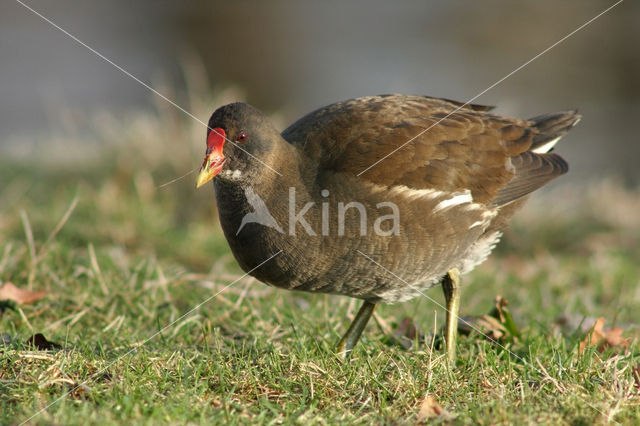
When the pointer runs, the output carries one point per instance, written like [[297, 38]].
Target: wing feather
[[448, 151]]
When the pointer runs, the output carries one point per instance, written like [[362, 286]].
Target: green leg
[[351, 337], [451, 288]]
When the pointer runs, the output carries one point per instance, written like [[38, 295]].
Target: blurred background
[[289, 57]]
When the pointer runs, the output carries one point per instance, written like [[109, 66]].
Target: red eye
[[242, 137]]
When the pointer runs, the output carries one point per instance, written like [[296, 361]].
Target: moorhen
[[379, 197]]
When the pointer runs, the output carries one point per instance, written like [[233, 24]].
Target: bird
[[260, 214], [378, 198]]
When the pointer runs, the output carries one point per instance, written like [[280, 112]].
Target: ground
[[127, 266]]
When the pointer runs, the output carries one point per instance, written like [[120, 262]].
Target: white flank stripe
[[547, 146], [487, 216], [454, 201], [414, 194], [477, 223]]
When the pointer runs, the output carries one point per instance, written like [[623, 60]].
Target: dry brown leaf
[[409, 329], [603, 339], [502, 313], [500, 304], [38, 341], [430, 408], [487, 325], [498, 325], [636, 375], [8, 291], [407, 332]]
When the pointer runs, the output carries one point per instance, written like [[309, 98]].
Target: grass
[[132, 258]]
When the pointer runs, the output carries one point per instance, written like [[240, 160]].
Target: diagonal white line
[[475, 328], [95, 375], [494, 84], [178, 178], [128, 74]]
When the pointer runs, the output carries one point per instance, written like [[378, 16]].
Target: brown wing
[[532, 172], [468, 149]]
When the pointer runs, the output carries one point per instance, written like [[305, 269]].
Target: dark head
[[239, 138]]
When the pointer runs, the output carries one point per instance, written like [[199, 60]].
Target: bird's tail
[[551, 127]]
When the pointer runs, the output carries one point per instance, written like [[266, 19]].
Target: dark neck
[[295, 170]]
